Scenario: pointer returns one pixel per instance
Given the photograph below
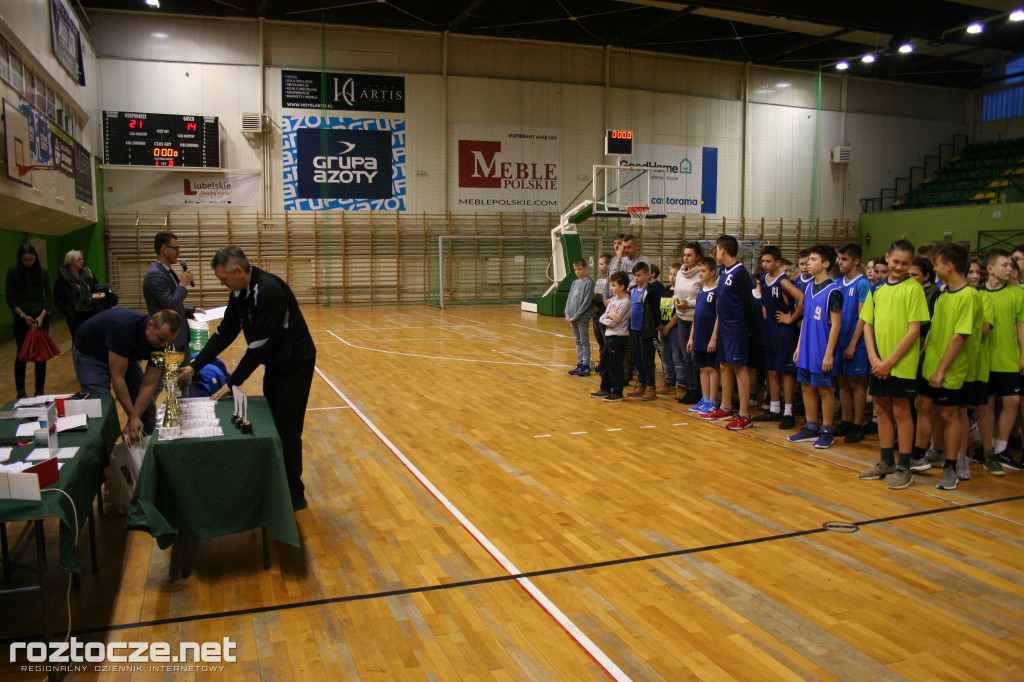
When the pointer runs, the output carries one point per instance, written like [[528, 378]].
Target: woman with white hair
[[73, 291]]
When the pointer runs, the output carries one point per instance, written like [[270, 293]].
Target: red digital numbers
[[135, 123], [622, 134], [165, 151]]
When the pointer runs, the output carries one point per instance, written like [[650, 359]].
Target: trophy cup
[[169, 360]]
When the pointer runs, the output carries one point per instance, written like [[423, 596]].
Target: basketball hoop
[[637, 215], [25, 170]]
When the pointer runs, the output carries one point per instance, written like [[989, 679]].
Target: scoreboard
[[140, 139]]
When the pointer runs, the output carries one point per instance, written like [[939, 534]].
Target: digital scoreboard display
[[618, 142], [138, 139]]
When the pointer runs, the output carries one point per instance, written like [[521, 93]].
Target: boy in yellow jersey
[[1005, 344], [947, 357], [892, 327]]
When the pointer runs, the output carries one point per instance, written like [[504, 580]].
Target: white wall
[[582, 90]]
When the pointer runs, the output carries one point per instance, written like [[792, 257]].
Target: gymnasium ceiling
[[788, 33]]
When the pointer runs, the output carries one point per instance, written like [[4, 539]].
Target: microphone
[[184, 268]]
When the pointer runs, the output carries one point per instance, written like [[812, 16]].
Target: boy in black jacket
[[644, 318]]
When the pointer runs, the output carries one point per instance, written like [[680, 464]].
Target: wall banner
[[504, 168], [691, 183], [207, 189], [66, 40], [347, 163], [344, 91], [63, 150], [83, 174]]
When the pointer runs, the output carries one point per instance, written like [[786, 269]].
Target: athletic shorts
[[1003, 383], [733, 351], [975, 393], [944, 397], [815, 379], [755, 357], [780, 361], [702, 358], [893, 387], [857, 366]]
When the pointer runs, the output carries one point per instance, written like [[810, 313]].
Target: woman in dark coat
[[30, 298], [73, 291]]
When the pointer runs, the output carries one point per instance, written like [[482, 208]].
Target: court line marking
[[972, 506], [595, 652], [441, 357], [542, 331], [338, 407]]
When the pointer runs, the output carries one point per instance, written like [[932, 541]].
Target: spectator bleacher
[[979, 174]]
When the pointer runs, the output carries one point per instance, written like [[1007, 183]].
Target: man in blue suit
[[164, 289]]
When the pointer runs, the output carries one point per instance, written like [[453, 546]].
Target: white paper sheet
[[40, 454], [211, 314], [5, 454], [27, 430]]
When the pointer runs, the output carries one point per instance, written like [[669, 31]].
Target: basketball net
[[637, 215]]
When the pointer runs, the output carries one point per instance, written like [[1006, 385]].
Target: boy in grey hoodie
[[577, 314]]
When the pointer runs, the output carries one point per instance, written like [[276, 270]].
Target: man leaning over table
[[264, 309], [107, 351]]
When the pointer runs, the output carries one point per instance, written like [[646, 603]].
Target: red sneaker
[[739, 423], [718, 415]]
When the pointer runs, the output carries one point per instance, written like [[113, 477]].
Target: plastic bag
[[199, 334], [123, 471], [38, 346]]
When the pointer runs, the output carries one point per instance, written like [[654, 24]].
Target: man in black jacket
[[264, 309]]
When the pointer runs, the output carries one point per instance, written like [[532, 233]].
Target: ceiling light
[[975, 28], [1017, 15], [906, 48], [868, 58], [153, 3], [842, 66]]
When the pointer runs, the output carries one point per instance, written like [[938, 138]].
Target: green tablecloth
[[80, 477], [206, 487]]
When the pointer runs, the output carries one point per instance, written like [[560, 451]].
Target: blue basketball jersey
[[704, 316], [802, 282], [778, 336], [855, 292], [817, 326], [735, 302]]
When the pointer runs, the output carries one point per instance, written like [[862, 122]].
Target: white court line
[[650, 426], [543, 435], [437, 357], [339, 407], [470, 319], [680, 424], [570, 627], [576, 433], [542, 331], [613, 429]]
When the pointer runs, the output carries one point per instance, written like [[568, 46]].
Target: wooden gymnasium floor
[[473, 515]]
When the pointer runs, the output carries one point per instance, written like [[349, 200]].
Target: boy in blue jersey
[[804, 279], [854, 367], [644, 316], [732, 330], [780, 299], [702, 344], [817, 351]]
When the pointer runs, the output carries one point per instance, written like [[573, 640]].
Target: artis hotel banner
[[348, 163], [506, 168], [342, 91]]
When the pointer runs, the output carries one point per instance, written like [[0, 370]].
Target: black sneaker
[[613, 398], [871, 428], [576, 370], [768, 417], [978, 455], [600, 394], [842, 430], [855, 435], [788, 422], [691, 398], [1008, 462]]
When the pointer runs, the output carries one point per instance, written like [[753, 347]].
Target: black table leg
[[186, 563], [266, 548], [99, 499], [92, 541], [6, 556], [44, 593]]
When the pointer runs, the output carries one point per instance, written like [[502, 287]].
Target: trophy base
[[246, 426]]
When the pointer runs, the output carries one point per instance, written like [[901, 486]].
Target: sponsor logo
[[344, 164], [481, 165]]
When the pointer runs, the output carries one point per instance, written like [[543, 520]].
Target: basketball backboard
[[618, 188]]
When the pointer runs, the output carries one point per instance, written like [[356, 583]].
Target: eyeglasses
[[173, 248]]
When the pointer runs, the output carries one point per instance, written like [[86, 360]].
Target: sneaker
[[584, 372], [600, 394], [613, 398], [935, 457], [963, 467], [871, 428], [949, 479], [1007, 461], [880, 470], [899, 479], [855, 435], [753, 401], [825, 440], [993, 466], [768, 417], [788, 422], [703, 405], [919, 464], [842, 430], [718, 415], [739, 423], [709, 407], [692, 397], [575, 370], [805, 435], [978, 455]]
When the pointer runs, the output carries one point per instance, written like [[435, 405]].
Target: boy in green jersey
[[892, 316], [947, 358], [1005, 349], [976, 388]]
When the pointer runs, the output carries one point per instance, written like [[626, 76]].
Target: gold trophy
[[169, 360]]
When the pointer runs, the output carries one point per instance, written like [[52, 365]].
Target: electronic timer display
[[618, 142], [145, 139]]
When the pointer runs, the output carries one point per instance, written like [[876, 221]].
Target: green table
[[80, 477], [207, 487]]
